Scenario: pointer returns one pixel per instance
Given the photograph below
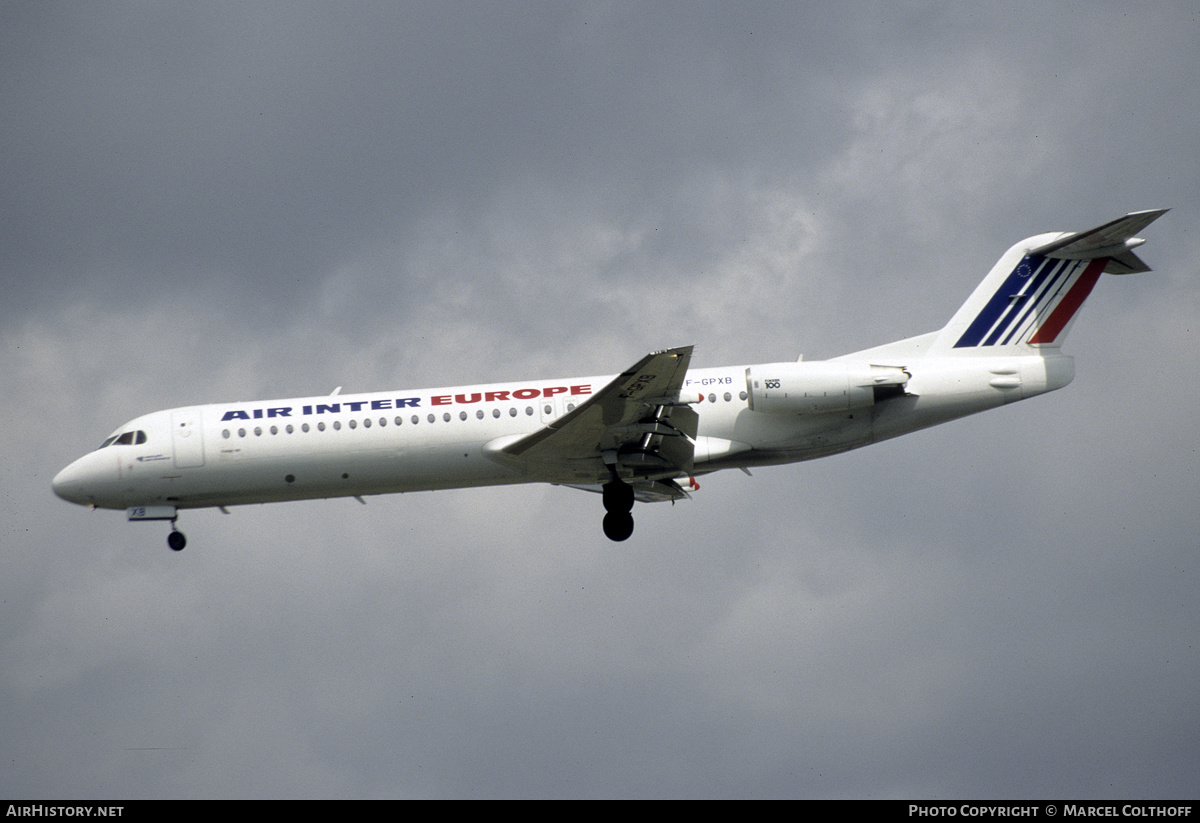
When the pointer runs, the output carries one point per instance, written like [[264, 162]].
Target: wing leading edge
[[637, 427]]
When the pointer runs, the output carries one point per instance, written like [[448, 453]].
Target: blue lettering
[[331, 408]]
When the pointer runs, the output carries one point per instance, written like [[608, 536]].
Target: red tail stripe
[[1070, 304]]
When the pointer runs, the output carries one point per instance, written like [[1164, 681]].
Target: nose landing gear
[[175, 539]]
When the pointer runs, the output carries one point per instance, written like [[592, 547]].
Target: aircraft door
[[187, 438]]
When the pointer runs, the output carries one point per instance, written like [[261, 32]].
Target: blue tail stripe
[[1018, 304], [987, 318], [999, 303], [1039, 302]]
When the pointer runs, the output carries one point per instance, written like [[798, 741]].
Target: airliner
[[645, 434]]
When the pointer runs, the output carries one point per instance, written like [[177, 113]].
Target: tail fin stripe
[[1027, 301], [1042, 295], [997, 315], [1066, 308], [1051, 298], [991, 312]]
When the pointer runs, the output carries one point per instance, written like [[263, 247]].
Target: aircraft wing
[[1114, 240], [637, 423]]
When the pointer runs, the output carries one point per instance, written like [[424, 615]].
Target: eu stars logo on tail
[[644, 434]]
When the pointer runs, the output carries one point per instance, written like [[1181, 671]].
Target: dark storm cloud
[[234, 145]]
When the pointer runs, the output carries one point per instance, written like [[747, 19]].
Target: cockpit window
[[128, 438]]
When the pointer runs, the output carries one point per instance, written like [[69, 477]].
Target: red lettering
[[499, 396]]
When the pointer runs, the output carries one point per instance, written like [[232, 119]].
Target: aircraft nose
[[71, 484]]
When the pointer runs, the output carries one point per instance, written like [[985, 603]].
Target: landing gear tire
[[618, 497], [176, 541], [618, 526]]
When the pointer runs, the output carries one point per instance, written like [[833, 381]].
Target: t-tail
[[1030, 298]]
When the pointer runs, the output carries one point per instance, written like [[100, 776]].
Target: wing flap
[[638, 420]]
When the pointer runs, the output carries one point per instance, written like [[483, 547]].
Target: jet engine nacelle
[[819, 386]]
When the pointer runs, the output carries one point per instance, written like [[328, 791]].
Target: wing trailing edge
[[638, 421]]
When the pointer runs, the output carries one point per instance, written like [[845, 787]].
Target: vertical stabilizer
[[1032, 295]]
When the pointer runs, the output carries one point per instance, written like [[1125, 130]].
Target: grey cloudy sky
[[235, 201]]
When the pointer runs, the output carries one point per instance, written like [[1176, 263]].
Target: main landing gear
[[618, 502]]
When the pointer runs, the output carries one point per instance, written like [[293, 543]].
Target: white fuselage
[[399, 441]]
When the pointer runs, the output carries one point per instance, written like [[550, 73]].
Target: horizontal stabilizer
[[1114, 240]]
